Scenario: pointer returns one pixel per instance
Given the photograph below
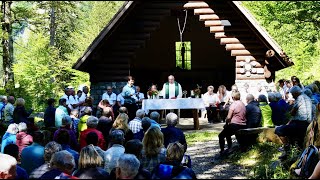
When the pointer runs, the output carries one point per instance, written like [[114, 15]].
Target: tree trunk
[[7, 42], [52, 24]]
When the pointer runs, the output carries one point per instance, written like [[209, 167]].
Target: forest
[[41, 40]]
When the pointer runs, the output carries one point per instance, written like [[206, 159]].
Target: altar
[[181, 103]]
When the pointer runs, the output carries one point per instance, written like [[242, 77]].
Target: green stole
[[176, 87]]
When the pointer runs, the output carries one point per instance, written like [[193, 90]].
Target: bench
[[249, 136]]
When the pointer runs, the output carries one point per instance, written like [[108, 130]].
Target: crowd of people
[[118, 140], [79, 141]]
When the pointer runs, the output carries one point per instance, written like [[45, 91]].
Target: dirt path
[[206, 167]]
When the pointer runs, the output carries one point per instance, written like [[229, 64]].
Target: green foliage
[[295, 26]]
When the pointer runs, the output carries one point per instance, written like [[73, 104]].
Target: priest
[[171, 89]]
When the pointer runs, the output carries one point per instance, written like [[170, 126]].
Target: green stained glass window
[[183, 49]]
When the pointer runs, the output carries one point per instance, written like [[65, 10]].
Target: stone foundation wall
[[97, 89]]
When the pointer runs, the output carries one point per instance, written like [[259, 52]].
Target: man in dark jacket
[[49, 115], [253, 112]]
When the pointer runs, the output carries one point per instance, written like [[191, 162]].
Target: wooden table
[[180, 103]]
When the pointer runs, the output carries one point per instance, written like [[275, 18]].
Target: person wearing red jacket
[[92, 124]]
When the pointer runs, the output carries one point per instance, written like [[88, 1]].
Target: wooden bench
[[260, 134]]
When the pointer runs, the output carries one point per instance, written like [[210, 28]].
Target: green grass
[[194, 137], [262, 161]]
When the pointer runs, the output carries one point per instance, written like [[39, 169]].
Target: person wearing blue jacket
[[10, 136]]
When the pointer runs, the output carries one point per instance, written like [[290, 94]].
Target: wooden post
[[195, 119]]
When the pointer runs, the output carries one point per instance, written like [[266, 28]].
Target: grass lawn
[[204, 136]]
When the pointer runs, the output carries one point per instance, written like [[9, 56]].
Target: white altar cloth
[[180, 103]]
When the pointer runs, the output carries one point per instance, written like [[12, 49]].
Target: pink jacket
[[23, 140]]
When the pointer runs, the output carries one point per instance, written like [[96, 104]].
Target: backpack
[[310, 156]]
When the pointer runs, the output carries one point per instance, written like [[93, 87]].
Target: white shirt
[[72, 100], [171, 91], [208, 99], [120, 99], [140, 96], [67, 98], [112, 98], [83, 97]]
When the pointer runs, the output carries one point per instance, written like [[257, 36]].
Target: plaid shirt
[[37, 173], [150, 163], [303, 105], [135, 125]]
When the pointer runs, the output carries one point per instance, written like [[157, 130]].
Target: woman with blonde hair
[[90, 164], [153, 152], [19, 113], [224, 102], [121, 122]]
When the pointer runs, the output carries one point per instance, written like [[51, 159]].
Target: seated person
[[296, 128], [235, 120], [62, 165], [50, 148], [253, 112], [8, 167], [171, 133], [155, 119], [145, 126], [211, 100], [266, 111], [172, 167], [127, 167], [13, 150]]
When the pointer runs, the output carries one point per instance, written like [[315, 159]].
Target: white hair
[[22, 127], [129, 165], [140, 113], [7, 163], [62, 160], [92, 122], [172, 119], [295, 89], [13, 128]]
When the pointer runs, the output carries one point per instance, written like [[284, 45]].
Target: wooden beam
[[135, 36], [122, 42], [198, 4], [122, 54], [245, 52], [215, 29], [256, 58], [230, 47], [206, 17], [224, 41], [112, 60], [253, 76], [108, 66], [127, 47], [203, 11], [209, 23]]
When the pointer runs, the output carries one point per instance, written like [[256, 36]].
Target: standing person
[[8, 111], [61, 111], [66, 95], [75, 121], [130, 99], [3, 102], [171, 89], [92, 124], [111, 97], [140, 97], [85, 91], [66, 125], [19, 113], [235, 120], [73, 101], [211, 100], [50, 113]]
